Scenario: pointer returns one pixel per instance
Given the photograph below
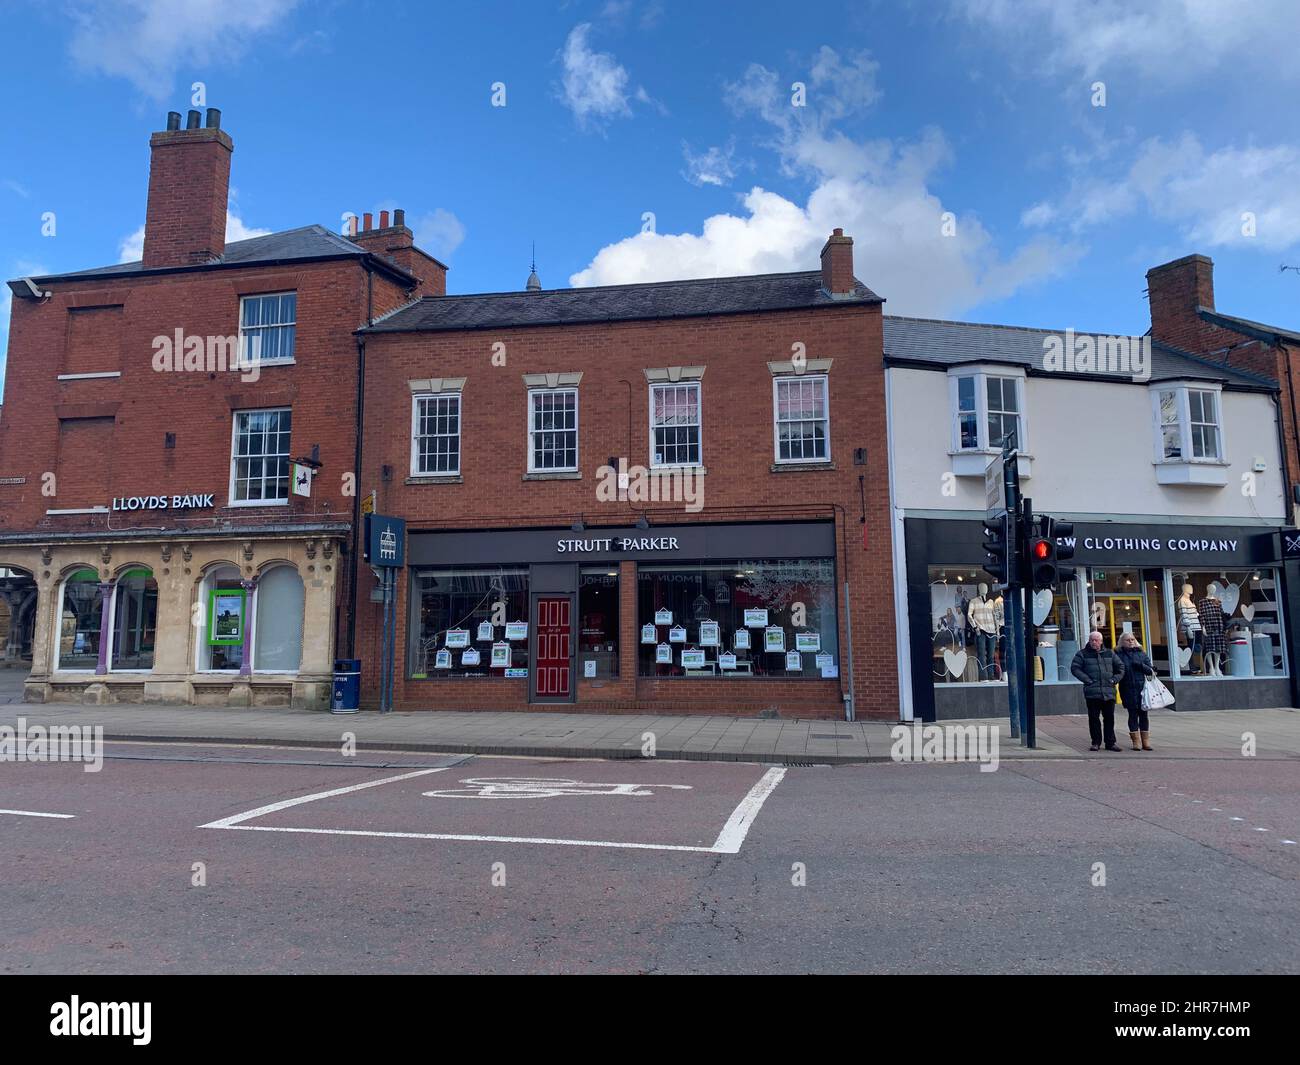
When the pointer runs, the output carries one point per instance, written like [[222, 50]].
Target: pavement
[[714, 737]]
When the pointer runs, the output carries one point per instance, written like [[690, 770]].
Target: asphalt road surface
[[233, 859]]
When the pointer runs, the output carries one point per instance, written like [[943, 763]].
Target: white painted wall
[[1092, 452]]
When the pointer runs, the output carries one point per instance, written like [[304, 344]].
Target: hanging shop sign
[[443, 660], [500, 655], [663, 617], [458, 638], [741, 640], [470, 657], [774, 638], [485, 631], [516, 630], [385, 540], [709, 633], [1290, 543], [793, 662], [190, 502], [226, 608], [664, 654], [677, 634], [807, 641], [726, 660], [692, 659], [756, 618], [648, 634]]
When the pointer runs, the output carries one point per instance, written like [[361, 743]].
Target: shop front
[[731, 618], [1207, 603]]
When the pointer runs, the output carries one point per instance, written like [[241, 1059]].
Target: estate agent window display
[[468, 622]]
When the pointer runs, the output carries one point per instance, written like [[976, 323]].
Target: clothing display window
[[741, 619], [597, 622], [1227, 623], [968, 626], [82, 619], [468, 622]]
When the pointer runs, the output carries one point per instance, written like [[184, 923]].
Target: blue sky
[[978, 113]]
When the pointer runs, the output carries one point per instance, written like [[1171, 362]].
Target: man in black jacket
[[1099, 670]]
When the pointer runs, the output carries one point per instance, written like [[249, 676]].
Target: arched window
[[221, 649], [135, 620], [277, 634], [80, 621]]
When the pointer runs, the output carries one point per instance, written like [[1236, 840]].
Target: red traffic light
[[1041, 550]]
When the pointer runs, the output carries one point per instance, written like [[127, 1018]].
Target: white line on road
[[275, 807], [737, 827], [35, 813], [469, 839]]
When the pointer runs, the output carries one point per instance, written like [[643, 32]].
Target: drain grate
[[829, 736]]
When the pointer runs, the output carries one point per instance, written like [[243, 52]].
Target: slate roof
[[1259, 330], [944, 344], [613, 303], [291, 245]]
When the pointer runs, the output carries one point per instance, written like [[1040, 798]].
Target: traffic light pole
[[1027, 730], [1015, 618]]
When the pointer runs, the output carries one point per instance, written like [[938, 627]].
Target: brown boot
[[1134, 737], [1146, 742]]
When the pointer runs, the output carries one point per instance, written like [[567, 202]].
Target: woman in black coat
[[1137, 667]]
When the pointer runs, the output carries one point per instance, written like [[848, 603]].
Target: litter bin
[[346, 698]]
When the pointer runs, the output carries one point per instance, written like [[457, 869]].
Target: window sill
[[973, 463], [440, 478], [241, 503], [1202, 474], [802, 467], [261, 364], [689, 467], [554, 475]]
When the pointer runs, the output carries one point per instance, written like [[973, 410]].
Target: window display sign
[[589, 668], [648, 634], [677, 634], [807, 641], [516, 630], [692, 659], [742, 640], [756, 618], [485, 630], [443, 660], [458, 637], [826, 666], [226, 616], [774, 638], [709, 634], [793, 662], [500, 655], [726, 660], [470, 657], [663, 617], [516, 672], [664, 654]]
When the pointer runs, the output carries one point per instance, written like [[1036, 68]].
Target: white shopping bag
[[1155, 696]]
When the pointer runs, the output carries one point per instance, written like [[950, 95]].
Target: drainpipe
[[355, 534]]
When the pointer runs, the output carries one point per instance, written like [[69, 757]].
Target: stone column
[[246, 664], [105, 625]]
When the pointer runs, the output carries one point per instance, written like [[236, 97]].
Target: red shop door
[[553, 641]]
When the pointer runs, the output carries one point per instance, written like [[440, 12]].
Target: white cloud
[[877, 190], [148, 41], [131, 250], [1152, 40], [1203, 194], [710, 167], [439, 232], [15, 188], [595, 84], [1037, 215]]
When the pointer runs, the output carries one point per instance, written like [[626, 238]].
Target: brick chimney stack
[[396, 243], [189, 185], [837, 265]]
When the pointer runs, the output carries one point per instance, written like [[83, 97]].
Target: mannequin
[[985, 626], [1000, 619], [1189, 625], [1210, 613]]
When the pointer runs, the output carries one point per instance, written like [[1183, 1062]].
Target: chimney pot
[[383, 219], [192, 119], [399, 217], [367, 222], [214, 118], [173, 120]]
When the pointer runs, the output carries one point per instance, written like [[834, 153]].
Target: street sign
[[368, 503], [302, 476], [995, 490], [385, 541]]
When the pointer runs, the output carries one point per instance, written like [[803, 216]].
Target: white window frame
[[261, 360], [699, 424], [416, 399], [59, 667], [205, 588], [981, 378], [533, 432], [234, 458], [825, 382], [1183, 391]]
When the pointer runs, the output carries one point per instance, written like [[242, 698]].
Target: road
[[450, 864]]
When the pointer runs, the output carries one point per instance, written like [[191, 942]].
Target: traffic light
[[995, 549], [1042, 553], [1064, 531]]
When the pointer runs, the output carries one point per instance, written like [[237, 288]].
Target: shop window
[[738, 619], [135, 620], [802, 419], [598, 621], [552, 430], [277, 634], [260, 461], [267, 327], [675, 424], [1126, 599], [468, 623], [435, 435], [80, 621], [1228, 623], [986, 409], [223, 615]]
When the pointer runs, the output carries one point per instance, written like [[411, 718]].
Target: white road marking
[[275, 807], [728, 842], [36, 813]]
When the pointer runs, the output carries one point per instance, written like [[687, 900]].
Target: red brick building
[[665, 497], [152, 415]]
